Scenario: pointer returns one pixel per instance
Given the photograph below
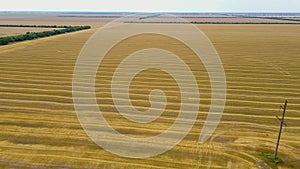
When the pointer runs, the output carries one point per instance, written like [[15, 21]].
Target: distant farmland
[[97, 20], [218, 20], [39, 127]]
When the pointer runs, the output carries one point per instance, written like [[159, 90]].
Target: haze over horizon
[[151, 6]]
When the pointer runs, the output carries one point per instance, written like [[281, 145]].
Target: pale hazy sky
[[153, 5]]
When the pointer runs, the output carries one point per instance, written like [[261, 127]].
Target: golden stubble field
[[39, 126]]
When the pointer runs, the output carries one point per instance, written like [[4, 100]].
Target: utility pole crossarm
[[279, 119]]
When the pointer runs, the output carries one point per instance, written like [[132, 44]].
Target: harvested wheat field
[[39, 127]]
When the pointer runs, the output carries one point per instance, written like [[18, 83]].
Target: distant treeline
[[151, 16], [35, 35], [39, 26], [245, 22], [267, 17], [88, 16]]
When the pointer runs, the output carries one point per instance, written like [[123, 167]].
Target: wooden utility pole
[[280, 130]]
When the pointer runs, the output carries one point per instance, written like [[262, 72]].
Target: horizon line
[[83, 11]]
